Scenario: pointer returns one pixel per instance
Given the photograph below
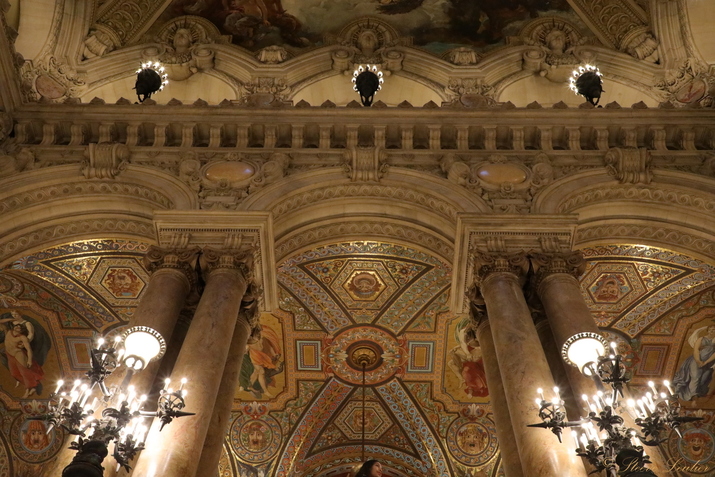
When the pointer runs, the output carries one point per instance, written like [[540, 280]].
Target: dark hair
[[366, 468]]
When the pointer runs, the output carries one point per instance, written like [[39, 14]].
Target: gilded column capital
[[487, 264], [183, 260], [557, 264], [213, 259]]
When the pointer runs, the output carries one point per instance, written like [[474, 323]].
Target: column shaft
[[524, 368], [175, 451], [497, 399], [208, 464]]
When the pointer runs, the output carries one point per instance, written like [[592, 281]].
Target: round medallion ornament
[[696, 449], [31, 441], [377, 349], [472, 442], [255, 440]]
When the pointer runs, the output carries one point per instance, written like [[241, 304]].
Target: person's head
[[711, 331], [20, 329], [371, 468], [256, 436]]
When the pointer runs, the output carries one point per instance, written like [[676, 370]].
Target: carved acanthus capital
[[105, 161], [629, 165], [489, 263], [232, 259], [571, 264], [183, 259]]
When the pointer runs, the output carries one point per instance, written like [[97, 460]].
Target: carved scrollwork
[[272, 55], [629, 165], [237, 259], [157, 258], [691, 82], [366, 164], [52, 80], [105, 160], [568, 263]]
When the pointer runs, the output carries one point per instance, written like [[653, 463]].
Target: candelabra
[[602, 437], [122, 420]]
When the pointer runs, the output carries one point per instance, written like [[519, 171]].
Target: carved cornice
[[183, 260], [71, 230]]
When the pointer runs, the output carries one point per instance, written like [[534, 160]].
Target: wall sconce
[[586, 81], [150, 79], [367, 81]]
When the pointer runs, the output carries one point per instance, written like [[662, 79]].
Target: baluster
[[270, 135], [408, 134], [573, 134], [215, 135], [324, 142], [160, 134], [242, 136], [687, 139], [106, 132], [600, 135], [380, 133], [517, 138], [435, 133], [351, 134], [77, 134], [297, 136], [462, 137], [133, 134], [490, 138], [629, 137], [49, 133]]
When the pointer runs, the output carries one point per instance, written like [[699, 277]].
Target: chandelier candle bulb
[[667, 386], [76, 383], [60, 383], [540, 392], [183, 381], [167, 381]]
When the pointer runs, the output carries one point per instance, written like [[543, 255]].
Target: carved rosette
[[105, 161], [230, 259], [486, 264], [629, 165], [570, 264], [183, 260]]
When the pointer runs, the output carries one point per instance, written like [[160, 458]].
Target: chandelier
[[122, 421], [150, 79], [586, 81], [367, 81], [603, 437]]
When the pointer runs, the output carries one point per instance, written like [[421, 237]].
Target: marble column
[[175, 451], [172, 277], [555, 280], [522, 364], [247, 322], [497, 399]]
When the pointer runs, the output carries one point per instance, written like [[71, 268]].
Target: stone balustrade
[[405, 128]]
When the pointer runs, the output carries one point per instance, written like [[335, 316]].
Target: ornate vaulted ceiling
[[425, 396]]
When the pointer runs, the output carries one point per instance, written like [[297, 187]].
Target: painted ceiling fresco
[[436, 25], [298, 408]]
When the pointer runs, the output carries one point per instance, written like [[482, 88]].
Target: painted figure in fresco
[[123, 282], [26, 346], [371, 468], [608, 288], [697, 446], [35, 437], [256, 436], [261, 363], [465, 360], [695, 374]]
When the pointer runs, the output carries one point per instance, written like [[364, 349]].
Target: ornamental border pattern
[[637, 193]]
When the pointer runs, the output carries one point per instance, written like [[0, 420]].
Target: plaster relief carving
[[470, 92], [691, 82], [557, 46], [184, 46], [263, 91], [462, 56], [105, 160], [508, 185], [366, 164], [368, 40], [23, 160], [6, 125], [629, 165], [223, 183], [51, 79], [272, 55]]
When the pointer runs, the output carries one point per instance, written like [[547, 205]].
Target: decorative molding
[[80, 228], [22, 160], [50, 79], [660, 196], [119, 22], [621, 24], [629, 165], [36, 196], [690, 83], [652, 233], [105, 161], [366, 164], [398, 231], [421, 198], [226, 231]]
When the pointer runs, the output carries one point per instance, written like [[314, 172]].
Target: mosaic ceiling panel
[[427, 404]]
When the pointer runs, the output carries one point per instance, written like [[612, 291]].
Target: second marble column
[[175, 451], [522, 364]]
